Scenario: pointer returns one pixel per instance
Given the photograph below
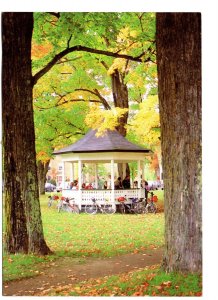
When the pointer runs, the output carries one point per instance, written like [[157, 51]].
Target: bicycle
[[136, 206], [68, 204], [93, 208], [51, 199], [151, 207], [122, 205]]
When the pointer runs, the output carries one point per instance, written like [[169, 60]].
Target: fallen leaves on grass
[[147, 282]]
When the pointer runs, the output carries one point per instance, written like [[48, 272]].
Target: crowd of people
[[75, 186], [118, 184]]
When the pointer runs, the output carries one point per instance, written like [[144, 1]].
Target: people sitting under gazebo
[[111, 148]]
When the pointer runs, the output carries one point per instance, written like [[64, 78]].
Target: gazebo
[[110, 148]]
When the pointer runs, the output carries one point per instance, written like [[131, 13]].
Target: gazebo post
[[72, 172], [80, 182], [138, 174], [96, 175], [63, 175], [112, 181], [143, 170]]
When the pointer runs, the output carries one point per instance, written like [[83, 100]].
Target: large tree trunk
[[120, 96], [42, 169], [179, 75], [24, 231]]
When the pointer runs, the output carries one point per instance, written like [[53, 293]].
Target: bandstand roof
[[111, 141]]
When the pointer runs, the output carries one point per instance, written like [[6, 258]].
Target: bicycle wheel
[[122, 208], [75, 209], [68, 209], [151, 209], [109, 209], [91, 209], [155, 209], [59, 207], [140, 208], [147, 208]]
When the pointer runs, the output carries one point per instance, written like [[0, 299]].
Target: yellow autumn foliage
[[118, 64], [102, 120], [146, 122], [125, 33]]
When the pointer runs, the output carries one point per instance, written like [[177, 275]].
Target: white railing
[[84, 197]]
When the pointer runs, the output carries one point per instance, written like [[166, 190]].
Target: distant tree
[[179, 76]]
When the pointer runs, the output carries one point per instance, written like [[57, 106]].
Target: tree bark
[[121, 99], [42, 169], [24, 232], [120, 96], [179, 74]]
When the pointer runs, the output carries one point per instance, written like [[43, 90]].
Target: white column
[[63, 175], [112, 174], [142, 193], [80, 183], [80, 174], [112, 181], [138, 174], [143, 170], [96, 175], [72, 172]]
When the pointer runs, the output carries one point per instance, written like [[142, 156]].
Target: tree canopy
[[75, 56]]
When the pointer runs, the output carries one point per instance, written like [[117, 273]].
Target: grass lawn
[[85, 235], [80, 236], [150, 281], [101, 235]]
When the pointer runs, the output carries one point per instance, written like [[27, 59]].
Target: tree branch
[[103, 100], [65, 102], [68, 42], [96, 93], [58, 56]]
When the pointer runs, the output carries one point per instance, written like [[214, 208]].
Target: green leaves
[[76, 76], [58, 127]]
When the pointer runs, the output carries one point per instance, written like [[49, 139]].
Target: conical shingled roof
[[111, 141]]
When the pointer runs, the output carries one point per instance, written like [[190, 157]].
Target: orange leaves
[[39, 51], [138, 294], [149, 288], [163, 285], [167, 283], [42, 156], [136, 251]]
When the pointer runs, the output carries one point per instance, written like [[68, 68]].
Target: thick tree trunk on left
[[24, 232]]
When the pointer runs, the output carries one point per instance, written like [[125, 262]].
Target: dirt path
[[68, 271]]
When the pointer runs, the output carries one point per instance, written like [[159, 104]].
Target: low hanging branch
[[66, 102], [68, 50], [96, 93]]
